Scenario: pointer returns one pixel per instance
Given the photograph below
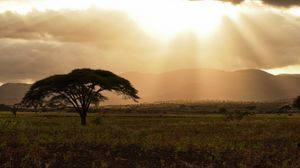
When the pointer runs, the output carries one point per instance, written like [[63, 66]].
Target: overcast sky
[[40, 38]]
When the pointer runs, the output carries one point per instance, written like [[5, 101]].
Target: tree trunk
[[83, 118]]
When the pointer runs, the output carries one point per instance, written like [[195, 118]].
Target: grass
[[58, 140], [200, 107]]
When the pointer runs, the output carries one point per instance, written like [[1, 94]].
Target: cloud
[[101, 28], [39, 44], [233, 1], [43, 43], [21, 59], [282, 3], [278, 3]]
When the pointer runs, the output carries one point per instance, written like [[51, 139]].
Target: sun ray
[[169, 19], [248, 29], [162, 18]]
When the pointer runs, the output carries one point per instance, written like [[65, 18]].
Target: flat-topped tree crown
[[81, 88]]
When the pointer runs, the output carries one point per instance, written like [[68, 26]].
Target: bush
[[284, 108], [4, 107], [296, 103], [251, 108], [222, 110], [97, 121], [236, 115]]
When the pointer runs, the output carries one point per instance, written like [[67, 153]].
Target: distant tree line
[[4, 107]]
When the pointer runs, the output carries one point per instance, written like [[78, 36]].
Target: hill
[[194, 85], [11, 93], [208, 84]]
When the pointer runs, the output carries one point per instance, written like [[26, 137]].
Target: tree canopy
[[81, 88]]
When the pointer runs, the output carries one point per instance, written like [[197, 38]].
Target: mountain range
[[11, 93], [193, 85]]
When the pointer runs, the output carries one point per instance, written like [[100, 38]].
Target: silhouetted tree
[[296, 103], [14, 109], [80, 88], [33, 99], [285, 108]]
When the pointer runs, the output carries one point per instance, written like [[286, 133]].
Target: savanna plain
[[133, 139]]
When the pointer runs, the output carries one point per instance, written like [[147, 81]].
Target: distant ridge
[[194, 85], [11, 93], [289, 75], [253, 72], [211, 84]]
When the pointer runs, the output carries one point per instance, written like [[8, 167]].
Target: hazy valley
[[193, 85]]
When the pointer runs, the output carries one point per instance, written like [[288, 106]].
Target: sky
[[39, 38]]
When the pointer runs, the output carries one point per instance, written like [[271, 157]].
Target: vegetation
[[4, 107], [296, 103], [200, 107], [15, 109], [80, 88], [56, 140], [236, 115], [176, 107], [165, 134], [285, 108]]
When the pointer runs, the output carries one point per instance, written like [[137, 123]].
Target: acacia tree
[[33, 99], [81, 88]]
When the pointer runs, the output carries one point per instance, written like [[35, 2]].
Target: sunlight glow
[[27, 81], [292, 69], [162, 18], [295, 11], [167, 19]]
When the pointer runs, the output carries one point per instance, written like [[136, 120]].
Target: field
[[198, 107], [57, 140]]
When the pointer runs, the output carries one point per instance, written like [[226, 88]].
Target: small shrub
[[236, 115], [251, 108], [182, 106], [97, 121], [284, 108], [222, 110], [296, 103]]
